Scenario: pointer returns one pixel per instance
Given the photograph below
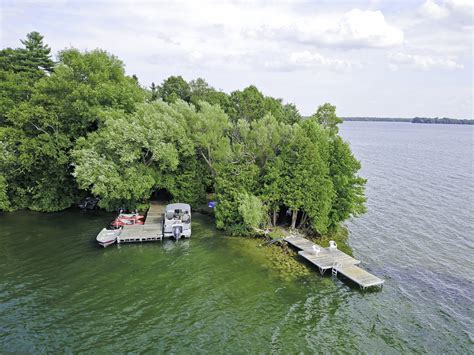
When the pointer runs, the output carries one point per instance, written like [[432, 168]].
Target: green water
[[60, 292]]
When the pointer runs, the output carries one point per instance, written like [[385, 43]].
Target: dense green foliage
[[81, 126]]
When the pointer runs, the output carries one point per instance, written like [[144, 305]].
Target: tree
[[202, 91], [349, 196], [20, 69], [82, 126], [190, 180], [37, 55], [199, 89], [154, 92], [174, 88], [306, 184], [248, 104], [326, 116], [40, 131], [252, 211], [273, 187], [208, 130], [4, 200], [232, 181], [132, 154], [275, 107], [291, 114]]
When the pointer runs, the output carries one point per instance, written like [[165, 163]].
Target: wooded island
[[80, 126]]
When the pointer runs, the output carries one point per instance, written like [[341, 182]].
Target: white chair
[[316, 250]]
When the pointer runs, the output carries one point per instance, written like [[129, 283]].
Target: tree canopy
[[81, 126]]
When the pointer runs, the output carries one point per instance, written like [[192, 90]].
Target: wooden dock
[[334, 259], [151, 230]]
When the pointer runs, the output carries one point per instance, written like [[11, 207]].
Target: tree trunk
[[294, 217], [303, 220], [275, 215]]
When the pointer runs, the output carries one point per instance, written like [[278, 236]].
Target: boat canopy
[[178, 206]]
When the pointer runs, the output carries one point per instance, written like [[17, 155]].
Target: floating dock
[[334, 259], [151, 230]]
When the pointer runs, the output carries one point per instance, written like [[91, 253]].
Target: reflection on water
[[182, 244], [60, 292]]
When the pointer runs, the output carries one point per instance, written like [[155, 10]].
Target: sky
[[369, 58]]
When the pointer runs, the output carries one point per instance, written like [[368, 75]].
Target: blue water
[[418, 233]]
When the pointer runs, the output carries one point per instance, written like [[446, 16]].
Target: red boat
[[127, 219]]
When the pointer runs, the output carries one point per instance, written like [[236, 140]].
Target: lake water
[[59, 292]]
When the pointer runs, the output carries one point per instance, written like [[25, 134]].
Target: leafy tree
[[82, 124], [154, 92], [174, 88], [326, 116], [35, 168], [4, 200], [20, 69], [320, 190], [233, 180], [202, 91], [306, 185], [273, 187], [199, 90], [132, 154], [40, 131], [248, 104], [208, 130], [275, 107], [190, 180], [349, 196], [252, 211], [291, 114]]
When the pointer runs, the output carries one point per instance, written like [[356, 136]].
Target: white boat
[[107, 236], [177, 221]]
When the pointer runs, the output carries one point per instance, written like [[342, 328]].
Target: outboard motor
[[177, 232]]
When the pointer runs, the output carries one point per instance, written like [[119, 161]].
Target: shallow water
[[59, 292]]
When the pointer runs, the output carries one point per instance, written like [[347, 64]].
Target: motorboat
[[108, 236], [126, 219], [177, 221]]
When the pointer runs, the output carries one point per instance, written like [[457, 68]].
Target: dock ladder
[[335, 266]]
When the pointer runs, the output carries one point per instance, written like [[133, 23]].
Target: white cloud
[[367, 27], [459, 11], [307, 60], [422, 62], [432, 10], [352, 29], [280, 46], [461, 6]]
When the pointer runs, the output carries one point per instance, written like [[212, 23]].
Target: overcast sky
[[369, 58]]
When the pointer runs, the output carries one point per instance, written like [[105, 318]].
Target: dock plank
[[300, 243], [359, 276], [325, 260], [329, 258], [151, 230]]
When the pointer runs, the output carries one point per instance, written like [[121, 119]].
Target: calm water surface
[[215, 294]]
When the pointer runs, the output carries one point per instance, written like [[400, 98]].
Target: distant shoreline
[[411, 120]]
